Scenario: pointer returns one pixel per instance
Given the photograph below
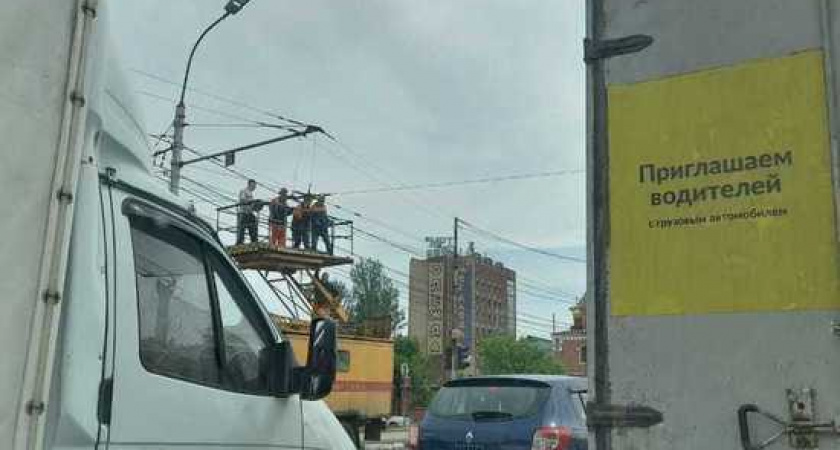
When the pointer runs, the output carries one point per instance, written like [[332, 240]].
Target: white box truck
[[123, 322], [713, 225]]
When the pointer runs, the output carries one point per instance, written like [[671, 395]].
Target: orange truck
[[364, 382]]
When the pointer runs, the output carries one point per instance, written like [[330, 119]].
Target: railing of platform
[[338, 229]]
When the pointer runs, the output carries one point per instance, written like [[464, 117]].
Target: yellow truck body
[[364, 381]]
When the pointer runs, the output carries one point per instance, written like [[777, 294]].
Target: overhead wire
[[191, 192], [521, 318], [374, 221], [387, 187], [298, 162], [220, 173], [523, 246], [198, 107], [521, 286], [424, 206], [332, 138], [218, 97], [527, 283], [552, 291], [425, 292], [529, 247], [371, 235], [160, 137], [398, 188], [274, 187], [312, 163], [365, 169], [226, 125], [443, 184]]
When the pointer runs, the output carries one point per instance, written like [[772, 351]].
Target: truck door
[[713, 225], [188, 337]]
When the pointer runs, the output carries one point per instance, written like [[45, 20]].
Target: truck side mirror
[[316, 379], [278, 366]]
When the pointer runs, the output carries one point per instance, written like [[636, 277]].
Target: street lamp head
[[234, 6]]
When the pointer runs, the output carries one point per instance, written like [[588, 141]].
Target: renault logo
[[469, 437]]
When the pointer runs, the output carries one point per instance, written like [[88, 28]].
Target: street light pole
[[179, 123]]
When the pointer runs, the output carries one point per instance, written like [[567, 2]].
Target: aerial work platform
[[287, 262], [265, 257], [293, 275]]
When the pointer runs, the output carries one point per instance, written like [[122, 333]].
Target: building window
[[582, 356], [343, 364]]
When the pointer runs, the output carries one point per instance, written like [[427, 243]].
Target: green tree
[[406, 351], [341, 291], [504, 355], [374, 294]]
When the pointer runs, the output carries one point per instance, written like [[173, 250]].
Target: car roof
[[578, 383]]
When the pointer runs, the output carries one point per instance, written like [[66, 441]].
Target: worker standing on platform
[[279, 212], [324, 298], [300, 223], [321, 225], [245, 213]]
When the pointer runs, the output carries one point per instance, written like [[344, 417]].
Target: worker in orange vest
[[279, 212], [300, 223]]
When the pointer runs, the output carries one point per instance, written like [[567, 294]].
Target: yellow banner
[[720, 191]]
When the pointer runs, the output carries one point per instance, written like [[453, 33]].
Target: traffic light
[[464, 358]]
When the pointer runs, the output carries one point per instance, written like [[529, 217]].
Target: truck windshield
[[489, 402]]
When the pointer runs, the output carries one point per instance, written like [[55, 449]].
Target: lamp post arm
[[192, 53]]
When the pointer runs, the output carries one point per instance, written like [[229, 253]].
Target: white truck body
[[713, 158], [74, 183]]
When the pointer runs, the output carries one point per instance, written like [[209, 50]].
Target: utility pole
[[597, 49], [177, 148], [180, 121], [455, 227], [405, 398], [454, 361], [457, 338], [454, 358]]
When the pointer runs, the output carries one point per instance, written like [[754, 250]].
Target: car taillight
[[552, 438], [413, 436]]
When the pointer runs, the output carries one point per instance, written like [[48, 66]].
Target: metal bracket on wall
[[802, 429], [621, 416], [607, 48]]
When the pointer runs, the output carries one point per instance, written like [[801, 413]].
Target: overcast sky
[[415, 92]]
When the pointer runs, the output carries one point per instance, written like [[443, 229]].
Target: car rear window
[[486, 400], [579, 399]]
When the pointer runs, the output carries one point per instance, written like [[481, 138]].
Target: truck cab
[[127, 324]]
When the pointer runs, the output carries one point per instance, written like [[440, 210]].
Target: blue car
[[518, 412]]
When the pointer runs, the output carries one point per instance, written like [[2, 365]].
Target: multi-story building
[[570, 345], [458, 301]]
